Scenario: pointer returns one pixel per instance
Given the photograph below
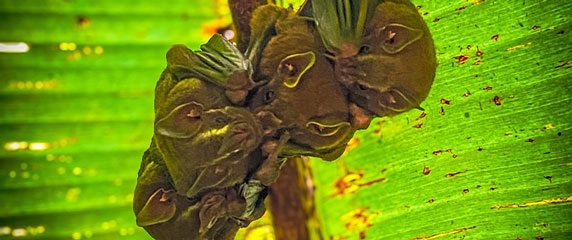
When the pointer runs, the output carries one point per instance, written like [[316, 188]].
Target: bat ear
[[294, 66], [396, 37], [183, 122], [160, 207]]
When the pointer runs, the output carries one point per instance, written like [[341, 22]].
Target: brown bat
[[383, 52], [167, 215], [299, 87], [209, 149]]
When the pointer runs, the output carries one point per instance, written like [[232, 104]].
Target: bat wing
[[219, 59], [218, 62], [340, 22], [262, 29]]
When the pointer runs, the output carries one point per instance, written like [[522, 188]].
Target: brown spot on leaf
[[436, 20], [442, 112], [419, 7], [492, 189], [476, 2], [488, 88], [478, 186], [423, 114], [445, 101], [431, 201], [454, 174], [426, 170], [454, 155], [378, 130], [425, 13], [462, 58], [82, 21], [548, 126], [564, 63], [349, 183], [352, 144], [438, 152], [467, 93], [479, 52], [510, 49], [535, 27], [469, 47], [549, 178], [465, 191], [437, 235], [374, 181], [495, 37], [560, 32], [460, 8], [340, 237], [536, 203], [419, 125], [480, 149], [478, 62], [497, 100], [359, 219], [530, 140]]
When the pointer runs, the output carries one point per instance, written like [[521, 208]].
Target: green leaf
[[91, 118], [508, 173]]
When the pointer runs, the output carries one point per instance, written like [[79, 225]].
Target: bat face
[[301, 92], [396, 61], [296, 97], [193, 137]]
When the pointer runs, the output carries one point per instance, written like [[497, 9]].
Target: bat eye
[[396, 37], [364, 49], [269, 96], [221, 121]]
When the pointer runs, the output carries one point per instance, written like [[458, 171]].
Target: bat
[[166, 214], [209, 148], [383, 52], [298, 86]]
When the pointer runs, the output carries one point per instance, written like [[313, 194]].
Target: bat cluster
[[225, 121]]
